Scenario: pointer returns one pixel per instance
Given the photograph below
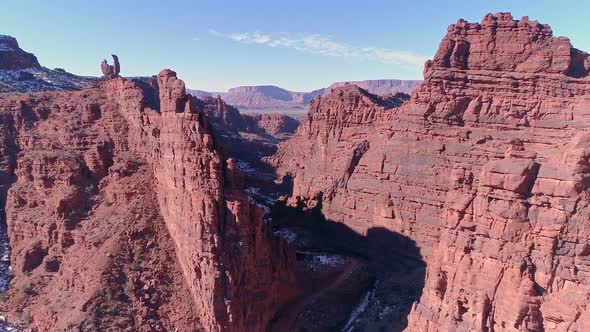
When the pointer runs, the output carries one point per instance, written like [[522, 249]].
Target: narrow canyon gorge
[[129, 204]]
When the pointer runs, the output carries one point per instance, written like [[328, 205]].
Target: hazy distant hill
[[382, 87], [273, 98]]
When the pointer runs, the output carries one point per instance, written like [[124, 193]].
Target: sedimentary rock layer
[[486, 168], [124, 216]]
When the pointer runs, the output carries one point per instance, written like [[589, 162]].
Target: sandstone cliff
[[121, 216], [486, 168]]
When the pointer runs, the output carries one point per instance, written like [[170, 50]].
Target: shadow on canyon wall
[[394, 263], [4, 245]]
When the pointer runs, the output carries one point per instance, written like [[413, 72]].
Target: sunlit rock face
[[122, 216], [486, 168]]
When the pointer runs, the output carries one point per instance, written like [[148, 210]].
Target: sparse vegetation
[[129, 288], [28, 289], [104, 201], [136, 265], [27, 318]]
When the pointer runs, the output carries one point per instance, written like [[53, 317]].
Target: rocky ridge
[[12, 57], [117, 211], [486, 168], [20, 72]]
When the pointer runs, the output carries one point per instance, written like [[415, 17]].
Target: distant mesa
[[273, 98]]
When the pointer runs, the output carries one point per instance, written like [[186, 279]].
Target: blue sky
[[298, 45]]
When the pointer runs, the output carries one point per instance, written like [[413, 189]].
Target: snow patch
[[41, 79], [260, 198], [287, 235], [357, 311], [4, 253], [3, 46], [244, 166], [385, 311], [327, 260]]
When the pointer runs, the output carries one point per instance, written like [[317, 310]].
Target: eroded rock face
[[122, 216], [228, 118], [340, 159], [500, 43], [486, 168], [89, 249], [274, 124], [234, 270]]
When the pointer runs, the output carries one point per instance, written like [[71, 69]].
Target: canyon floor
[[349, 282]]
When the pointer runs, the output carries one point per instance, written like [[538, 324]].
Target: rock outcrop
[[109, 71], [12, 57], [121, 216], [276, 125], [486, 168], [20, 72], [228, 118], [247, 138], [233, 268]]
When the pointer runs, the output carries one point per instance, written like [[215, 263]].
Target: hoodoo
[[109, 71]]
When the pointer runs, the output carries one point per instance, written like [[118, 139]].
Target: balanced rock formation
[[125, 217], [109, 71], [487, 168]]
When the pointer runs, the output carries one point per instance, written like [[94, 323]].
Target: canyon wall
[[121, 216], [486, 168], [232, 266]]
